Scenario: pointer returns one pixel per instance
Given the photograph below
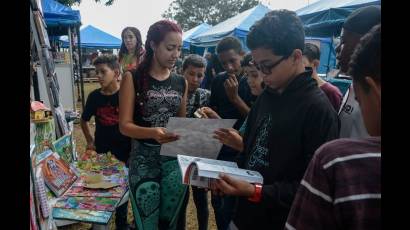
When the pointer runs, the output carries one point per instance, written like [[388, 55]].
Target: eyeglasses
[[267, 68]]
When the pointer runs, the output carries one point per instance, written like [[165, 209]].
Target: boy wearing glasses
[[288, 122]]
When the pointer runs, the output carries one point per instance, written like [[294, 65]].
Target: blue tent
[[58, 15], [237, 26], [325, 18], [186, 38], [92, 37]]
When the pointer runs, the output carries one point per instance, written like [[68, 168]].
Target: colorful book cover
[[79, 190], [98, 217], [40, 157], [44, 136], [88, 203], [58, 175], [64, 148], [41, 192]]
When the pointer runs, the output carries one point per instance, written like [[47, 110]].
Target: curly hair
[[365, 61], [279, 30], [108, 59], [229, 43], [138, 47]]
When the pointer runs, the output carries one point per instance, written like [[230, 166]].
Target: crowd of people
[[317, 150]]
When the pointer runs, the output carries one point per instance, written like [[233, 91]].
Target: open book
[[199, 172]]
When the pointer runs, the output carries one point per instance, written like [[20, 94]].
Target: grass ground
[[191, 220]]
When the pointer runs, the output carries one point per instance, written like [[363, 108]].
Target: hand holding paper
[[162, 136], [229, 137]]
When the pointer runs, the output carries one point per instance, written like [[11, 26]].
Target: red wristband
[[257, 195]]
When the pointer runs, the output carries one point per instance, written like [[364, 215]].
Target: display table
[[76, 205]]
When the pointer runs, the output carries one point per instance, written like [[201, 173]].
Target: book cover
[[91, 216], [58, 175], [41, 192], [80, 190], [64, 148], [200, 171], [88, 203]]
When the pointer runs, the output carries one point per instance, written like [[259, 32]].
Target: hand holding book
[[228, 185]]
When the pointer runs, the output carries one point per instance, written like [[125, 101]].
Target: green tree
[[190, 13], [72, 2]]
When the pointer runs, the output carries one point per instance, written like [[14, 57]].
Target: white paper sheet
[[196, 137]]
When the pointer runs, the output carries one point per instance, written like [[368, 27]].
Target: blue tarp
[[92, 37], [56, 14], [325, 18], [186, 38], [237, 26]]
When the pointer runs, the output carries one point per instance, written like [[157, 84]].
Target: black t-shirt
[[104, 108], [220, 103], [157, 101]]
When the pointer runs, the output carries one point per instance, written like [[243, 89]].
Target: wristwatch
[[257, 194]]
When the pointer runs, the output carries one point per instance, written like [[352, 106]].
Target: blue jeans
[[224, 209]]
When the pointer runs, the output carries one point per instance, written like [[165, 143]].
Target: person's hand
[[231, 88], [214, 189], [207, 112], [231, 186], [162, 136], [230, 137], [90, 146]]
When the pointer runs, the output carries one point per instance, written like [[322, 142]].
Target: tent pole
[[81, 66], [71, 64]]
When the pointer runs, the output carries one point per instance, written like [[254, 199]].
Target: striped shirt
[[341, 188]]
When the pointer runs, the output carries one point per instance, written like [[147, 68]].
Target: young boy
[[341, 188], [193, 69], [103, 104], [287, 123], [311, 59], [356, 25], [230, 98]]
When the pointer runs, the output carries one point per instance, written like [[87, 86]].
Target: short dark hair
[[279, 30], [110, 60], [363, 19], [229, 43], [246, 61], [194, 60], [365, 61], [311, 51]]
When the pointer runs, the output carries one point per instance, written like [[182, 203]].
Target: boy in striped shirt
[[341, 188]]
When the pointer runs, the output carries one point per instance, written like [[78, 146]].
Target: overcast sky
[[142, 13]]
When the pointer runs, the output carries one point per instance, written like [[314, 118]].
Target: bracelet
[[257, 195]]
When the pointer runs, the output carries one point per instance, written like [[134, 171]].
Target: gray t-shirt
[[350, 116], [196, 100]]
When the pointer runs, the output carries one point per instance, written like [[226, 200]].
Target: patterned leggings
[[155, 182]]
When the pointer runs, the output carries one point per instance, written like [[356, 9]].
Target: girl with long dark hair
[[148, 98], [131, 50]]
